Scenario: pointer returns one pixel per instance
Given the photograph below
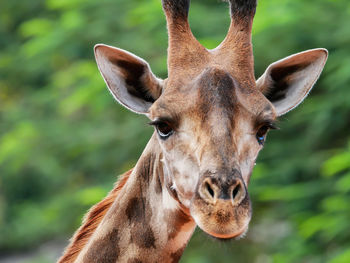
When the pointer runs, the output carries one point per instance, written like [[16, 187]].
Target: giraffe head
[[211, 116]]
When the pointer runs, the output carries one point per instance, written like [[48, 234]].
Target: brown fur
[[91, 222], [105, 250], [178, 9], [176, 220], [175, 257], [243, 9]]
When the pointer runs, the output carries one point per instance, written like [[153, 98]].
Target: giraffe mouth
[[224, 234], [222, 220]]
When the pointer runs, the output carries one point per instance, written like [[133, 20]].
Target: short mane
[[91, 221]]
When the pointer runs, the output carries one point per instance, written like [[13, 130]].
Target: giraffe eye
[[262, 131], [163, 129], [261, 134]]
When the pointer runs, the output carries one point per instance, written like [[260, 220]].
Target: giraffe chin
[[225, 234], [238, 236]]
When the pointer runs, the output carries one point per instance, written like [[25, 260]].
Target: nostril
[[209, 189], [236, 191]]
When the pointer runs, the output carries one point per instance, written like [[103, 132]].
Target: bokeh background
[[64, 140]]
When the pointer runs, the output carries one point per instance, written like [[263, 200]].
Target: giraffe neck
[[145, 223]]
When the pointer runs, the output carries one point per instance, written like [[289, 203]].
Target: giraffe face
[[211, 118], [210, 141]]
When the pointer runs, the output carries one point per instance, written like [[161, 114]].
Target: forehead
[[213, 92]]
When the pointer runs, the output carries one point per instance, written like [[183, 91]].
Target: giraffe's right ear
[[128, 77]]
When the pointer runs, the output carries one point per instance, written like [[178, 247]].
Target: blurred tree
[[63, 140]]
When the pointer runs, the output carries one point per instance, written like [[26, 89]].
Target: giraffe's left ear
[[288, 81], [128, 77]]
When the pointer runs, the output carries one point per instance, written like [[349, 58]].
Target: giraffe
[[211, 117]]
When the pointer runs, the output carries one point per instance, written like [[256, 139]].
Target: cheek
[[247, 160], [246, 169], [184, 174]]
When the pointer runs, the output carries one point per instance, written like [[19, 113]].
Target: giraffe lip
[[226, 238]]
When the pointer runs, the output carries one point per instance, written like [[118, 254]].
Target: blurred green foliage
[[63, 140]]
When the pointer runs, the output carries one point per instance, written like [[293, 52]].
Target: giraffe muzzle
[[221, 206]]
